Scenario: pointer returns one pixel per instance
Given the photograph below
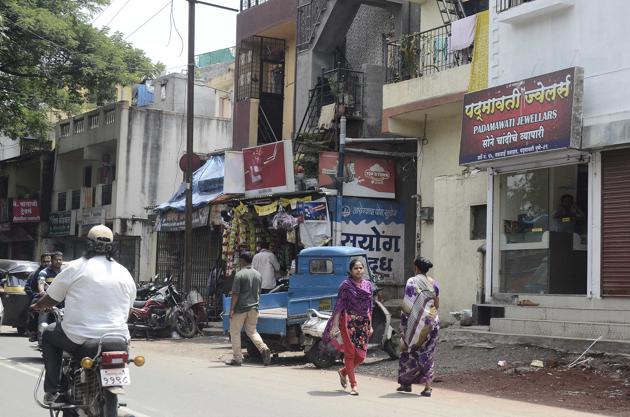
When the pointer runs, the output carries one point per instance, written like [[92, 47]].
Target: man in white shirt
[[98, 293], [267, 264]]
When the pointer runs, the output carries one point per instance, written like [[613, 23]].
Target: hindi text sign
[[538, 114]]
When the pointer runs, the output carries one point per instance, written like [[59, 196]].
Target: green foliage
[[310, 148], [53, 60]]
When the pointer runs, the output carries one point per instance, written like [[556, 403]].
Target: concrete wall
[[455, 255], [589, 34], [148, 172], [364, 41], [170, 95]]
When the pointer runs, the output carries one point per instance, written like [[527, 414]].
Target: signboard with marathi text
[[268, 169], [61, 223], [535, 115], [378, 226], [25, 211], [363, 176], [175, 221]]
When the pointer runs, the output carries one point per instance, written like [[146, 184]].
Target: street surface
[[177, 383]]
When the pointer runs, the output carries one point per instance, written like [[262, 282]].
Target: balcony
[[521, 11], [420, 54]]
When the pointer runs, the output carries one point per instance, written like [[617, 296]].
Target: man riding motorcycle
[[98, 293]]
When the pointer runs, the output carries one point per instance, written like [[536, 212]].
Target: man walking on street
[[267, 264], [244, 310]]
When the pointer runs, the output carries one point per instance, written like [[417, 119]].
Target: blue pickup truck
[[311, 297]]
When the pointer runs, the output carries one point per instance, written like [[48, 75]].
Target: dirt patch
[[599, 385]]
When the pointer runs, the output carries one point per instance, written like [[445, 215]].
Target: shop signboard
[[363, 176], [25, 211], [61, 223], [175, 221], [378, 226], [530, 116], [93, 216], [234, 181], [268, 169]]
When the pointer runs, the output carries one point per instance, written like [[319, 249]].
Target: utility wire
[[149, 19], [103, 11], [174, 25], [117, 13]]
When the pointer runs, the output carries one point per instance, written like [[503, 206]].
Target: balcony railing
[[246, 4], [308, 17], [419, 54], [503, 5]]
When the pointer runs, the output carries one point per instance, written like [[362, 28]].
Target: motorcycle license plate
[[115, 377]]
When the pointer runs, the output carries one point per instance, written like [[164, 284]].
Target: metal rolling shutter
[[616, 223]]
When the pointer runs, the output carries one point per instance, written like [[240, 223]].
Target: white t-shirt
[[98, 295], [267, 264]]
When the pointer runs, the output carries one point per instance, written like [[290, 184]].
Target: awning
[[207, 186]]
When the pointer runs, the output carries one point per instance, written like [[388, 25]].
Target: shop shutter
[[616, 223]]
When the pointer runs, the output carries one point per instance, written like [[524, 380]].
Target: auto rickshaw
[[13, 276]]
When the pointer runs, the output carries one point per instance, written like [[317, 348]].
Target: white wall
[[590, 34], [9, 148]]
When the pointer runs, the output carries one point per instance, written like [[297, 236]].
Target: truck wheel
[[392, 346], [320, 357], [253, 354]]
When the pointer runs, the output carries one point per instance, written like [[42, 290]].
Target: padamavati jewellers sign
[[538, 114]]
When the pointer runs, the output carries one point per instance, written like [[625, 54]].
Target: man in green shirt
[[244, 310]]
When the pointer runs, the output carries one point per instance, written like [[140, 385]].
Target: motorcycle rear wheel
[[110, 404], [185, 324], [392, 346], [319, 357]]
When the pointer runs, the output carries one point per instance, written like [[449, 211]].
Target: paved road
[[174, 385]]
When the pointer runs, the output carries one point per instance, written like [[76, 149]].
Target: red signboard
[[534, 115], [363, 176], [25, 211], [268, 169]]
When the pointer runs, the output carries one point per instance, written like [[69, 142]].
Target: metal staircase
[[451, 10]]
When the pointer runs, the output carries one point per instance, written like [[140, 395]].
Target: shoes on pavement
[[354, 391], [54, 398], [426, 392], [233, 362], [266, 356], [404, 388], [342, 379]]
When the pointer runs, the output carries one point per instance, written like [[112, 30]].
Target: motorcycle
[[149, 289], [94, 377], [384, 336], [163, 312]]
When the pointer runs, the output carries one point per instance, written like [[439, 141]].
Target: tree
[[53, 60]]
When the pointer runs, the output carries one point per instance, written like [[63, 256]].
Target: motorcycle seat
[[90, 347], [139, 304]]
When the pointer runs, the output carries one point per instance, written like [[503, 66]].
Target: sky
[[215, 28]]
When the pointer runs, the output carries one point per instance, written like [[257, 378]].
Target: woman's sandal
[[426, 392], [404, 388], [342, 380]]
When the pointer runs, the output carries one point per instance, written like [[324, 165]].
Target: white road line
[[7, 364]]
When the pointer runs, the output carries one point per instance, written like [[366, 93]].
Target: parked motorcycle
[[149, 289], [163, 312], [94, 376], [384, 336]]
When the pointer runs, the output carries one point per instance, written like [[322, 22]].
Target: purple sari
[[419, 328], [352, 315]]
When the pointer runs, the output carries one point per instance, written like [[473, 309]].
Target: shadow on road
[[398, 396], [28, 359], [338, 393]]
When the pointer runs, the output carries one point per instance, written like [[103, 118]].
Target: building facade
[[115, 163]]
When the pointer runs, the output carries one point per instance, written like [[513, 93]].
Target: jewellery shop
[[528, 134]]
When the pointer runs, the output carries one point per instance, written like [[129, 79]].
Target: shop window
[[321, 266], [478, 222], [543, 231]]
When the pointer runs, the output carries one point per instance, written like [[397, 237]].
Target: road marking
[[26, 370]]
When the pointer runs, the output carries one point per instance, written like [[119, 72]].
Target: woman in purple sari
[[419, 327], [350, 327]]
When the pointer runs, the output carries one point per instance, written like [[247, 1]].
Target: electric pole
[[190, 118]]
